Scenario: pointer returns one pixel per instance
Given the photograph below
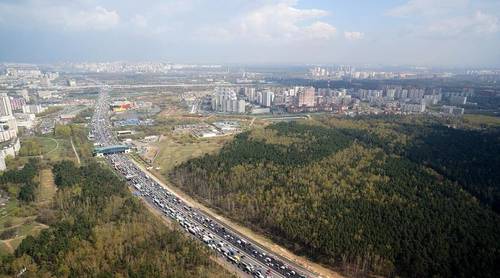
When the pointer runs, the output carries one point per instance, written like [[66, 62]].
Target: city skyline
[[450, 33]]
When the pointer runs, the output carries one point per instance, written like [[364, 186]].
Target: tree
[[62, 131]]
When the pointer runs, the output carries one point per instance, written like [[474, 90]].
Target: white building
[[44, 94], [413, 108], [226, 100], [25, 120], [241, 106], [267, 98], [33, 109], [11, 149], [5, 105], [8, 128]]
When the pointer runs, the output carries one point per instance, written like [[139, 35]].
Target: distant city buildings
[[346, 72], [306, 97], [226, 100], [267, 99], [129, 67]]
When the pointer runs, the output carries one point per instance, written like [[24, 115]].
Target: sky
[[448, 33]]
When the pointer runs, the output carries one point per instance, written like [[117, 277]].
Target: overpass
[[102, 151]]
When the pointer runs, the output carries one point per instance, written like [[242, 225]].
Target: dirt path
[[257, 237], [47, 188], [253, 120], [55, 148], [74, 150], [8, 245]]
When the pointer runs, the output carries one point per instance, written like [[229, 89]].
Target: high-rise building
[[251, 94], [241, 106], [458, 100], [267, 98], [224, 100], [8, 128], [17, 103], [5, 107], [306, 97]]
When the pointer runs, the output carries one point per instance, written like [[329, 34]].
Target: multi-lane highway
[[248, 257]]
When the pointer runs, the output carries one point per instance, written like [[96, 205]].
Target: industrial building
[[120, 106]]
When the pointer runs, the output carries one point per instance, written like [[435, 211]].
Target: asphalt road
[[251, 259]]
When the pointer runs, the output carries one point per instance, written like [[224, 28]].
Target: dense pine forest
[[411, 197], [98, 229]]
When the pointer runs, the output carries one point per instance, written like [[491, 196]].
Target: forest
[[24, 179], [391, 196], [98, 229]]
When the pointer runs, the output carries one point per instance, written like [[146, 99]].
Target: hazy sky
[[388, 32]]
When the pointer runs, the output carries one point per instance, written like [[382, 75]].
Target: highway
[[248, 257]]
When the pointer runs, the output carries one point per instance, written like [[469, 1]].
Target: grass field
[[47, 188], [173, 152], [481, 120], [54, 149], [63, 151]]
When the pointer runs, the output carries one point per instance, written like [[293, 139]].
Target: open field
[[53, 149], [47, 188], [20, 224], [48, 144], [481, 120], [173, 152], [63, 151]]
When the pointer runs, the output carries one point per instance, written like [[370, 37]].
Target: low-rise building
[[33, 109], [25, 120], [452, 110], [413, 108]]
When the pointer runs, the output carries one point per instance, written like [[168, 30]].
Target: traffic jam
[[250, 259]]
